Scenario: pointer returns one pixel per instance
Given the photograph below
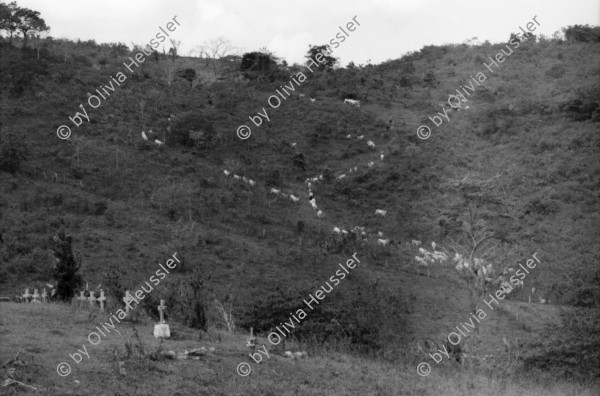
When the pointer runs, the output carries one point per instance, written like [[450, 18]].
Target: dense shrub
[[66, 267], [190, 122]]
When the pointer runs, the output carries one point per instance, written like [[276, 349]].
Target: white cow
[[352, 102], [340, 177], [384, 242], [273, 190], [236, 177], [337, 231], [361, 137], [144, 135], [251, 182], [294, 198], [371, 145], [314, 205], [158, 142], [227, 173], [312, 100], [320, 214], [381, 213], [347, 136], [371, 164]]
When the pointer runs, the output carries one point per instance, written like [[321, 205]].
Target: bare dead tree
[[216, 50]]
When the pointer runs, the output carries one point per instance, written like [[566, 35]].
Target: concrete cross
[[36, 296], [81, 297], [92, 299], [26, 295], [128, 298], [102, 298], [251, 340], [161, 309]]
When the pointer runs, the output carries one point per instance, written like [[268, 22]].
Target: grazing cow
[[273, 190], [415, 243], [301, 95], [352, 102], [320, 214], [348, 136], [158, 142], [380, 234], [314, 205], [245, 179], [381, 213], [340, 177], [344, 233], [337, 231], [385, 242], [371, 164], [236, 177], [227, 173], [293, 144], [371, 145], [381, 156], [294, 198], [361, 137], [144, 135], [312, 100]]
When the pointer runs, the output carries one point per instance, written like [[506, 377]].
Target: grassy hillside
[[525, 156]]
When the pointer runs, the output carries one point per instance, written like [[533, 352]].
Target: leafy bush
[[191, 122]]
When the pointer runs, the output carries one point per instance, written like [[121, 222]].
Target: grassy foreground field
[[49, 333]]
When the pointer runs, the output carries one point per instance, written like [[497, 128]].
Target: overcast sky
[[388, 28]]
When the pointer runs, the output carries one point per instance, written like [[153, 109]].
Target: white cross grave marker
[[81, 297], [36, 296], [127, 299], [102, 298], [26, 295], [92, 299], [162, 329]]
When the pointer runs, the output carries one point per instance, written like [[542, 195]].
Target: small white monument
[[162, 329], [101, 299], [251, 341], [92, 300], [36, 296], [127, 299], [26, 296], [81, 297]]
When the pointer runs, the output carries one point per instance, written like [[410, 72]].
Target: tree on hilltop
[[30, 21], [329, 63]]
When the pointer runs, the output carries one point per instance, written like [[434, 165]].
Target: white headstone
[[162, 329], [26, 295], [36, 296], [102, 298], [92, 299], [128, 298], [81, 297]]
